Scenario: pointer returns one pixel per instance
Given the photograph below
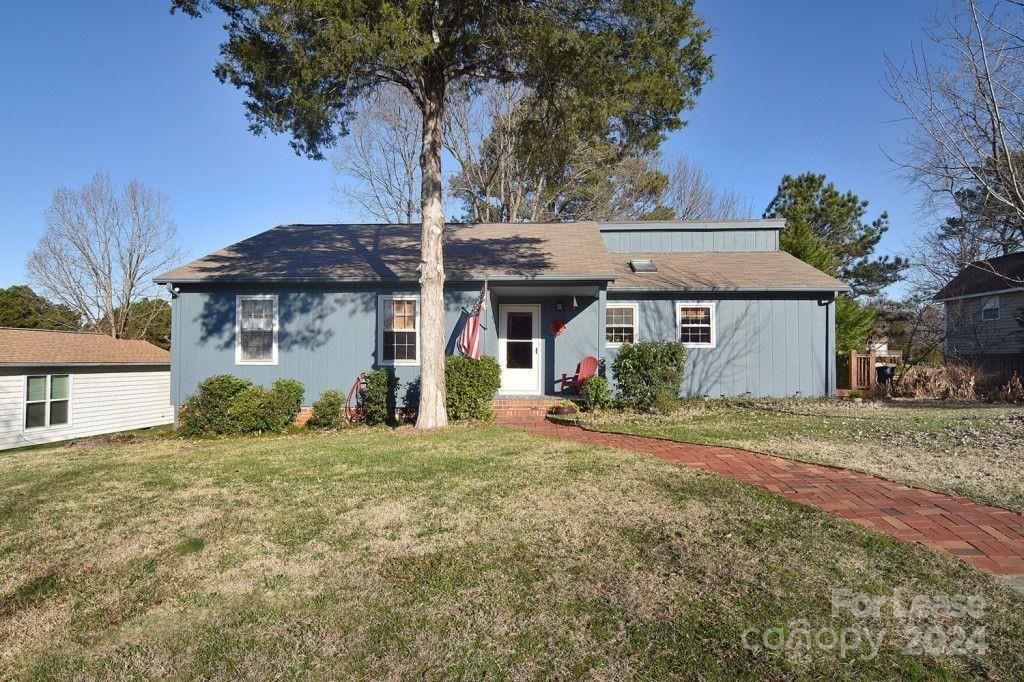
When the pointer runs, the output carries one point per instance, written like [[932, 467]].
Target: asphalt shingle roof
[[391, 252], [993, 274], [566, 251], [43, 347], [723, 271]]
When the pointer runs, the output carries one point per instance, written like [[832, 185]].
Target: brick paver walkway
[[986, 537]]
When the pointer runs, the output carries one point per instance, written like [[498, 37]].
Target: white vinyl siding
[[101, 402]]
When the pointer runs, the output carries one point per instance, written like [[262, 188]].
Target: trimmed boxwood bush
[[284, 400], [248, 411], [595, 394], [329, 411], [206, 411], [380, 397], [648, 374], [225, 404], [471, 385]]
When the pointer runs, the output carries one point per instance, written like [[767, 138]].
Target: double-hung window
[[990, 309], [256, 330], [696, 324], [621, 322], [47, 400], [399, 325]]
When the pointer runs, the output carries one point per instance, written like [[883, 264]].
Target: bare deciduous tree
[[964, 96], [494, 183], [378, 163], [495, 180], [101, 248], [692, 194], [966, 100]]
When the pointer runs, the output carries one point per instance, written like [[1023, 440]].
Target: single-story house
[[323, 303], [60, 385], [983, 306]]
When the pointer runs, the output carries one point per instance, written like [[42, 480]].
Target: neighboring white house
[[60, 385]]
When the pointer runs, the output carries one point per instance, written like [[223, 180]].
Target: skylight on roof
[[643, 265]]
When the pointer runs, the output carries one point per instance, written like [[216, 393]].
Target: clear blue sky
[[124, 87]]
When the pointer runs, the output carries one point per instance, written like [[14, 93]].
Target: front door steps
[[513, 410]]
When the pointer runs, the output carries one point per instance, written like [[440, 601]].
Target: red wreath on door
[[557, 326]]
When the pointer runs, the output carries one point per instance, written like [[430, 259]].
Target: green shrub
[[284, 400], [648, 374], [595, 394], [206, 411], [379, 397], [249, 411], [329, 411], [665, 402], [471, 385], [225, 404]]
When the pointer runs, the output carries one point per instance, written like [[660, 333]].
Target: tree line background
[[962, 94]]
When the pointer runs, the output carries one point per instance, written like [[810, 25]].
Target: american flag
[[469, 339]]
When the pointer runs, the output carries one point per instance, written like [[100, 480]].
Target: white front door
[[519, 349]]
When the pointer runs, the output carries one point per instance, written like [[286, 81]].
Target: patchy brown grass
[[969, 449], [473, 552]]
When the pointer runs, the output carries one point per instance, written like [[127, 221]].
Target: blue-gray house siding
[[765, 346], [645, 237], [775, 317]]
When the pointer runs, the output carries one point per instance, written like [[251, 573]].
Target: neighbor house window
[[47, 400], [256, 330], [399, 324], [990, 308], [620, 323], [696, 324]]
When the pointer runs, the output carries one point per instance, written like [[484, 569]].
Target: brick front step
[[522, 409]]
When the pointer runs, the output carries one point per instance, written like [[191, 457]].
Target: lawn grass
[[973, 449], [474, 552]]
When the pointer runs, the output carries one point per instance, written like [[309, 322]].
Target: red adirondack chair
[[586, 369]]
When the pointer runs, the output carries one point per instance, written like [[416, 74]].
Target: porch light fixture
[[574, 303], [559, 305], [643, 265]]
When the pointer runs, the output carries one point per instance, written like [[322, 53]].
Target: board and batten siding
[[776, 346], [689, 240], [327, 336], [103, 400]]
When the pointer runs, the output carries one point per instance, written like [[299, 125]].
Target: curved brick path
[[988, 538]]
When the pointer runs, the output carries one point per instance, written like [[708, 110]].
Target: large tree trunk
[[432, 412]]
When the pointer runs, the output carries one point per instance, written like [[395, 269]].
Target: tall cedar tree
[[826, 229], [624, 67]]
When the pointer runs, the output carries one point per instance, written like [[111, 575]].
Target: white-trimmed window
[[695, 322], [256, 328], [990, 308], [47, 400], [398, 322], [621, 323]]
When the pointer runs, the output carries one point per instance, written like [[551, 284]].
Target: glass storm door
[[519, 346]]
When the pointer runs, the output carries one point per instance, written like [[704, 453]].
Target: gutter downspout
[[830, 361]]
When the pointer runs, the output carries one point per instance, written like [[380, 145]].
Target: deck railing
[[863, 375]]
